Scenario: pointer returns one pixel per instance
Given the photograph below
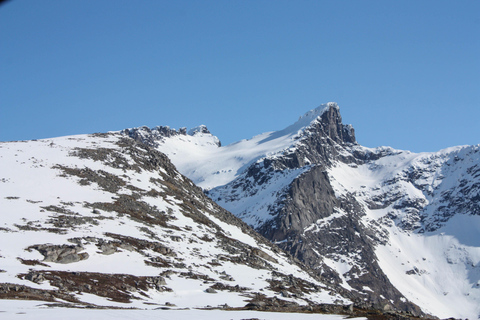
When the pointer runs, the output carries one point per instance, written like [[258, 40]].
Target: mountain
[[102, 220], [396, 230]]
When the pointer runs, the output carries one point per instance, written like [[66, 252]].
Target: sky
[[405, 74]]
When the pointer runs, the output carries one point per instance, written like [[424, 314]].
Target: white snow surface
[[33, 310]]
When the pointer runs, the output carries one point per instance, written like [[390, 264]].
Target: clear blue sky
[[405, 73]]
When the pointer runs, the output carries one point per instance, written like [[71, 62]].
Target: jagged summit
[[323, 120], [153, 136], [329, 117], [318, 111], [198, 130]]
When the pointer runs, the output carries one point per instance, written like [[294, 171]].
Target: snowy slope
[[102, 220], [432, 249]]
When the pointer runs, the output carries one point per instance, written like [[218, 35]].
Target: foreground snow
[[26, 310]]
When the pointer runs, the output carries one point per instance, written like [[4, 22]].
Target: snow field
[[33, 310]]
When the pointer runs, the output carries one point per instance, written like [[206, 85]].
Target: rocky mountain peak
[[321, 138], [334, 127], [200, 129], [324, 121], [152, 136]]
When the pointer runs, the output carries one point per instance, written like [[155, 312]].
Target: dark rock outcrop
[[60, 253]]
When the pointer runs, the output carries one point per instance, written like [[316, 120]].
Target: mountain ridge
[[291, 187]]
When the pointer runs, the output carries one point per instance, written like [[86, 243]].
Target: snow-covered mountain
[[102, 220], [397, 230], [107, 220]]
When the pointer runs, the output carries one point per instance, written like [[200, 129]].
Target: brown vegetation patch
[[58, 209], [115, 287], [288, 285], [140, 245], [32, 262], [110, 157], [243, 254], [263, 303], [226, 287], [137, 210], [106, 181], [157, 262], [205, 238], [70, 221], [15, 291], [29, 227], [196, 276]]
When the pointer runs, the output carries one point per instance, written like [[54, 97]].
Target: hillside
[[103, 221]]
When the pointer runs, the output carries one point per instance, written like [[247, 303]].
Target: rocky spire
[[332, 126]]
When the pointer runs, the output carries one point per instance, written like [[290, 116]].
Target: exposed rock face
[[60, 254], [332, 126]]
